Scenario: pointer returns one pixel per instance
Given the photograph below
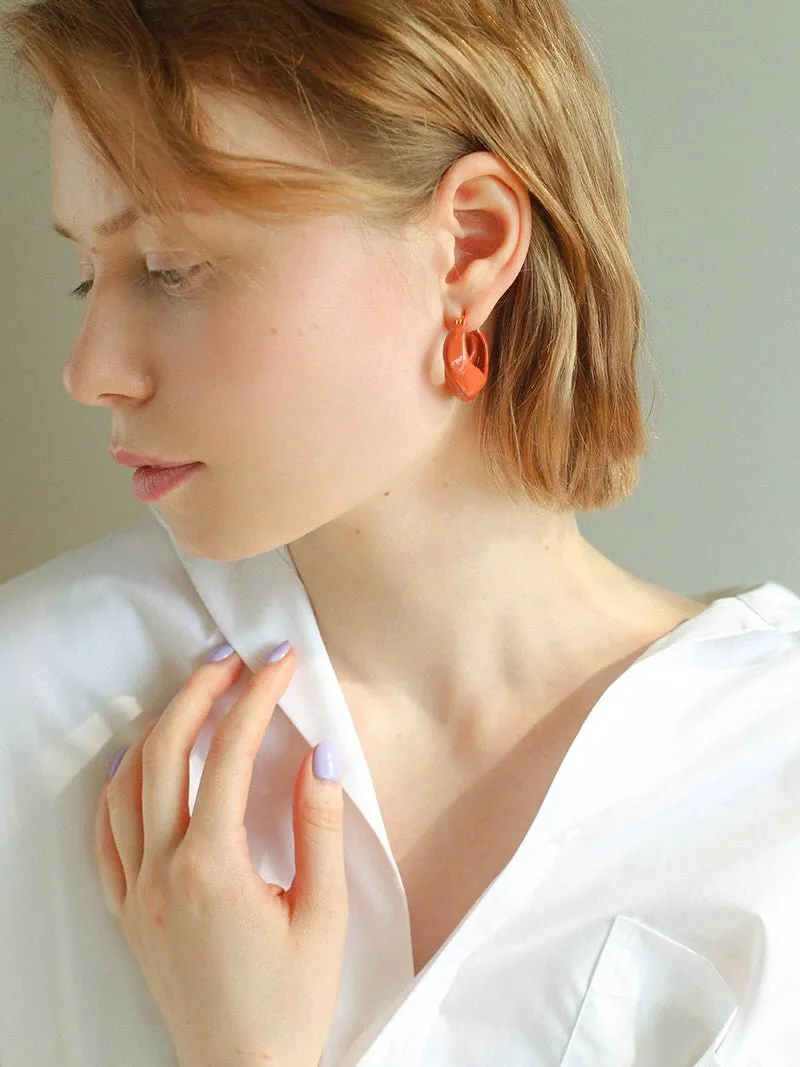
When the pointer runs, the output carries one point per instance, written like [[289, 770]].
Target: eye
[[164, 278]]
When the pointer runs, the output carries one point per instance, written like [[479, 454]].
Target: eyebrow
[[118, 224]]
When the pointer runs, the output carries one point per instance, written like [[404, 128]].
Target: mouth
[[152, 483], [134, 459]]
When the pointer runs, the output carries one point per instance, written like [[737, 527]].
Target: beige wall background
[[708, 95]]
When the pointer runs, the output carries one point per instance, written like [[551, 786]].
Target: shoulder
[[89, 592], [769, 650], [123, 557], [94, 637], [776, 604]]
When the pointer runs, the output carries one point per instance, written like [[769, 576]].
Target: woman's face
[[303, 396]]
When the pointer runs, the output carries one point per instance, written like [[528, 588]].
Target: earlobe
[[491, 208]]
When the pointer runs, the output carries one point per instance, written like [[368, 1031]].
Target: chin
[[215, 547]]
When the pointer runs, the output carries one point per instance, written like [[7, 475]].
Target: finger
[[165, 757], [109, 865], [318, 894], [218, 815], [123, 797]]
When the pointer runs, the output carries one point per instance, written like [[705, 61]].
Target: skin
[[456, 619], [244, 973], [315, 401]]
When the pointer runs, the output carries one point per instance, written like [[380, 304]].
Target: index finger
[[165, 757], [219, 809]]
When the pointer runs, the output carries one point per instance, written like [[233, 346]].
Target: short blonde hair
[[394, 92]]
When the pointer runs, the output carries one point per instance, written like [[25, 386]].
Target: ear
[[482, 214]]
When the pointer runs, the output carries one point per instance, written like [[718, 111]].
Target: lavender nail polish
[[278, 653], [113, 767], [326, 762], [220, 653]]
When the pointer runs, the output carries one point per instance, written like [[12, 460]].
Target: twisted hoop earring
[[466, 361]]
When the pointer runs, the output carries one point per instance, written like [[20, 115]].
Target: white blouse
[[650, 917]]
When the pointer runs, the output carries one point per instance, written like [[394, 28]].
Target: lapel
[[259, 602]]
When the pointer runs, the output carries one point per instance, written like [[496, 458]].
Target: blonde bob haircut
[[394, 92]]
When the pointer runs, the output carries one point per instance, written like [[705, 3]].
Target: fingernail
[[278, 653], [114, 764], [220, 653], [326, 761]]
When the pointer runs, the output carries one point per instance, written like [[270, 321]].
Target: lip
[[133, 459], [151, 483]]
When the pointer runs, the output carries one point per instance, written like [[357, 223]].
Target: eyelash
[[83, 290]]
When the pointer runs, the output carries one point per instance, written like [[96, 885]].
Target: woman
[[361, 269]]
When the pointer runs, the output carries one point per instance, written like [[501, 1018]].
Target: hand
[[243, 972]]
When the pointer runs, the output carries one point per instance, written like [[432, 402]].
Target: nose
[[102, 383], [105, 366]]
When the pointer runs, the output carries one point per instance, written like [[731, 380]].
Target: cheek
[[331, 375], [307, 351], [233, 349]]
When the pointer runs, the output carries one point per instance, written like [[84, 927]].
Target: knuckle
[[320, 816], [157, 744], [159, 737], [197, 684], [222, 741], [152, 893], [193, 870]]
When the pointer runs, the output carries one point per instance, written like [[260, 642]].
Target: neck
[[444, 600]]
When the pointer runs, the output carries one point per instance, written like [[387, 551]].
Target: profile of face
[[305, 396]]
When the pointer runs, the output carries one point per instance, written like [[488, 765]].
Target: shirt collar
[[260, 601]]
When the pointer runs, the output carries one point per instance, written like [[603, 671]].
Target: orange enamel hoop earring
[[466, 361]]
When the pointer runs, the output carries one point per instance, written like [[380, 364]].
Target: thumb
[[319, 889]]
